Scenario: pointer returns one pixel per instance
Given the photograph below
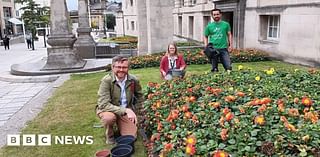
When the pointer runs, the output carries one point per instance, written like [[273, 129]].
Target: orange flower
[[224, 134], [290, 127], [220, 153], [259, 120], [221, 121], [188, 115], [262, 108], [241, 109], [173, 126], [159, 128], [190, 149], [168, 147], [229, 116], [192, 99], [265, 101], [191, 140], [283, 119], [293, 112], [240, 94], [185, 108], [281, 107], [312, 116], [296, 100], [215, 104], [229, 98], [155, 137], [306, 101], [225, 111]]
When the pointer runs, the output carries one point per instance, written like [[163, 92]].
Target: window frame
[[273, 25]]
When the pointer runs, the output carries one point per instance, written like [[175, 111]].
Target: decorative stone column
[[85, 45], [61, 55]]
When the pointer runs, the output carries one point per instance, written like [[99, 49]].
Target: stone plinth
[[61, 55], [85, 45]]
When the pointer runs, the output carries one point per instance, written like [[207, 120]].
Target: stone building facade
[[287, 29], [6, 12], [191, 17]]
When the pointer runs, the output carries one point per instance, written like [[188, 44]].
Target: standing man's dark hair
[[218, 34]]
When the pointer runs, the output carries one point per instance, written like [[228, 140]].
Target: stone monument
[[61, 54], [85, 45]]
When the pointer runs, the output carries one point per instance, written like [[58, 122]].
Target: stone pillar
[[142, 26], [155, 25], [61, 55], [85, 45]]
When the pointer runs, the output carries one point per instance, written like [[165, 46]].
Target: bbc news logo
[[46, 140]]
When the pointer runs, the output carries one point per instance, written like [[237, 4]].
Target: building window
[[206, 21], [193, 2], [273, 27], [132, 25], [131, 2], [127, 21], [180, 25], [269, 27]]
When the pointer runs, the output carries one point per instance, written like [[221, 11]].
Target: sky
[[73, 4]]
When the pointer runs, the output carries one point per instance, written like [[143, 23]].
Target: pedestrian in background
[[28, 38], [6, 43], [218, 34]]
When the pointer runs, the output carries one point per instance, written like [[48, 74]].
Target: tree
[[111, 21], [34, 15]]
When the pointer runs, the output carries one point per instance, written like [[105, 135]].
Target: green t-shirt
[[217, 32]]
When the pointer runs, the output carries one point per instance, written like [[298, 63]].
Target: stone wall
[[299, 36]]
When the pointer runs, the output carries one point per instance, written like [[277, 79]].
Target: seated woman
[[172, 64]]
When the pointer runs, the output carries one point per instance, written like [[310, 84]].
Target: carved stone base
[[85, 45], [61, 59]]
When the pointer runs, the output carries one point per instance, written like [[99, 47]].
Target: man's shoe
[[110, 140], [214, 70]]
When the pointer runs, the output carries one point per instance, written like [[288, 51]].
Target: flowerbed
[[244, 113], [196, 56]]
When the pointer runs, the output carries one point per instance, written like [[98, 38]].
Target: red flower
[[224, 134], [190, 149], [191, 140], [220, 153], [306, 101], [229, 116], [168, 147]]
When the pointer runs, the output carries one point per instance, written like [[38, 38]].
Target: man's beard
[[216, 19]]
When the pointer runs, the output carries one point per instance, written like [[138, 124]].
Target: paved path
[[23, 97]]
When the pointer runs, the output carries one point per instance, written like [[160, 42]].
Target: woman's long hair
[[175, 47]]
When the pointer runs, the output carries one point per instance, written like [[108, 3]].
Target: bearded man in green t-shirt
[[218, 34]]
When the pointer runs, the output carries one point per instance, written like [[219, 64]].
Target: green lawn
[[70, 111]]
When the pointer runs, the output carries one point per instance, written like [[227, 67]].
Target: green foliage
[[196, 56], [34, 15], [111, 21], [245, 113]]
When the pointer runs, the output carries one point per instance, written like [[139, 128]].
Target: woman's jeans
[[224, 57]]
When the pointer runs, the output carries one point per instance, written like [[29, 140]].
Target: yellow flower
[[296, 70], [258, 78], [272, 69], [269, 72], [240, 67]]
